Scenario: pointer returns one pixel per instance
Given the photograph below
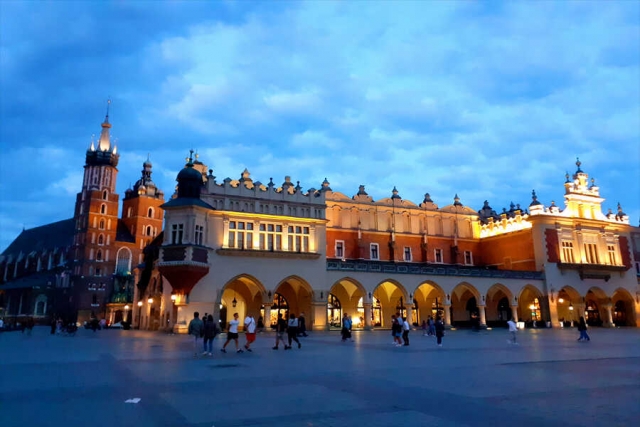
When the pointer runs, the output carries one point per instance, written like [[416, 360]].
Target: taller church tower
[[96, 209]]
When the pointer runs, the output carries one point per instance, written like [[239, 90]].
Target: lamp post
[[139, 314], [126, 313]]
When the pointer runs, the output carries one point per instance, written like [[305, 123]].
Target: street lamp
[[126, 312], [150, 300], [139, 313], [174, 297]]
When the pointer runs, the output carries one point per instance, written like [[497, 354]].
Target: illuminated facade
[[264, 249]]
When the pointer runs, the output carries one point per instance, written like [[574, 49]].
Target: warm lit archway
[[498, 302], [595, 312], [389, 298], [430, 299], [349, 294], [243, 294], [530, 306], [464, 304], [299, 296], [623, 308]]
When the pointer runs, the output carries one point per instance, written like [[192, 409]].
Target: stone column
[[553, 313], [319, 322], [267, 318], [367, 315], [409, 308], [609, 323], [447, 315], [514, 312], [483, 315]]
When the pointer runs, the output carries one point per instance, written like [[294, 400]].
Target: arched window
[[99, 255], [101, 227], [150, 213], [148, 230], [123, 261], [101, 240], [103, 209], [105, 194], [334, 311]]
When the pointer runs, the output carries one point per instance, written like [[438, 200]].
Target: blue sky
[[488, 100]]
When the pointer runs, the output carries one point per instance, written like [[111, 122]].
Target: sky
[[487, 100]]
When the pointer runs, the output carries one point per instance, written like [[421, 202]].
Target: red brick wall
[[551, 238], [513, 251], [625, 251]]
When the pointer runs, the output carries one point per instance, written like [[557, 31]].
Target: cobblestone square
[[475, 379]]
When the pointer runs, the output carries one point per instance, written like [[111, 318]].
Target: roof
[[186, 201], [42, 280], [123, 234], [46, 237]]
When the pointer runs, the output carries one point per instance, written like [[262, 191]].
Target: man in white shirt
[[512, 331], [405, 330], [232, 334], [250, 331]]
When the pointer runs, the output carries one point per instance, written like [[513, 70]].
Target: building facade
[[243, 246], [86, 266]]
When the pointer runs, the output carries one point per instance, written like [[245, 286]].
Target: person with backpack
[[439, 326], [196, 329], [210, 331], [281, 328]]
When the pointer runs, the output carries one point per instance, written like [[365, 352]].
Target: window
[[150, 213], [240, 234], [176, 234], [438, 256], [374, 251], [105, 194], [101, 240], [98, 271], [468, 258], [101, 226], [199, 233], [148, 231], [567, 252], [270, 237], [339, 249], [123, 260], [103, 209], [99, 255], [407, 253], [611, 250], [591, 253], [298, 239]]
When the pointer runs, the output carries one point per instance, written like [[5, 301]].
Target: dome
[[189, 182]]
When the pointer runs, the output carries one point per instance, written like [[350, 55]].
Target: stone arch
[[430, 299], [392, 297], [123, 260], [498, 305], [299, 295], [623, 308], [530, 305], [247, 292], [464, 300], [40, 307], [595, 306], [351, 295]]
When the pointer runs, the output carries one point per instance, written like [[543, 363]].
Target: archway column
[[319, 311], [483, 315], [409, 308], [447, 316], [267, 317], [367, 315], [608, 308], [514, 312], [553, 312]]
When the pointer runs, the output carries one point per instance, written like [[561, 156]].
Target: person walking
[[397, 330], [439, 326], [346, 327], [281, 328], [292, 331], [232, 334], [405, 331], [250, 331], [432, 327], [513, 328], [196, 328], [210, 331], [302, 326], [582, 327]]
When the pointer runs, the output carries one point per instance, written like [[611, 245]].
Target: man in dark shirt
[[281, 329], [302, 326]]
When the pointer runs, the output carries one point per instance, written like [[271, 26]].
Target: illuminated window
[[611, 250], [591, 253], [240, 234], [567, 252], [270, 237], [339, 248], [298, 238], [438, 256], [374, 251], [534, 308], [334, 311]]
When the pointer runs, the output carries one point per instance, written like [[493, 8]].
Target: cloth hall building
[[244, 246]]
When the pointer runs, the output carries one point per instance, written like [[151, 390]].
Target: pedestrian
[[302, 326], [439, 326], [281, 327], [196, 328], [53, 325], [345, 331], [582, 327], [405, 331], [250, 331], [210, 331], [292, 331], [513, 327], [397, 330], [393, 329], [232, 334], [432, 327], [350, 328]]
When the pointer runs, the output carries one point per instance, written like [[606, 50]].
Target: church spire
[[104, 143]]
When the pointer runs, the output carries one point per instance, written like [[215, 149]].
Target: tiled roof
[[46, 237]]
